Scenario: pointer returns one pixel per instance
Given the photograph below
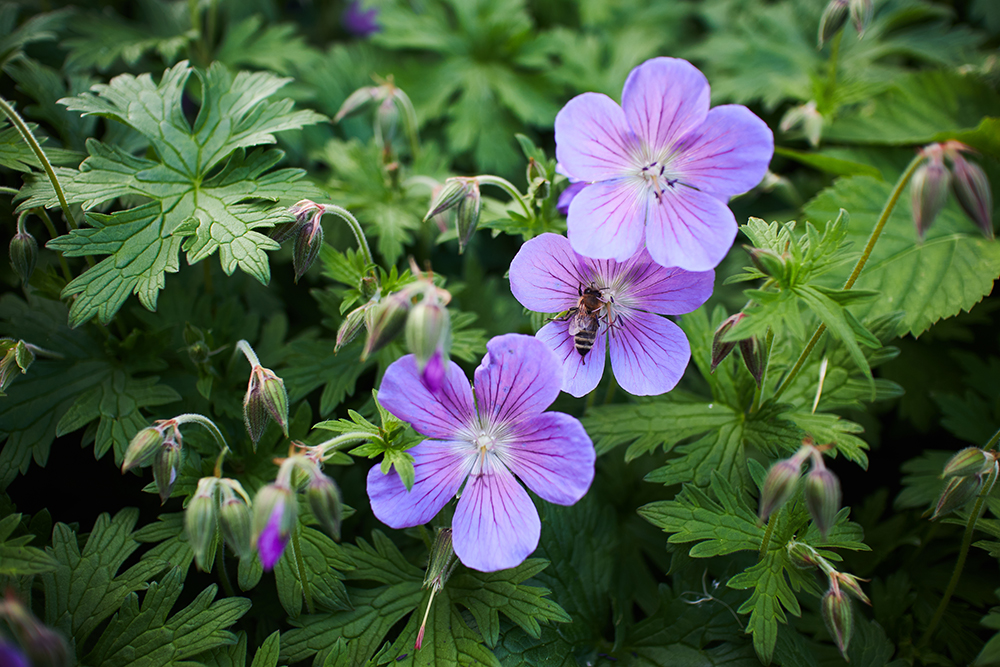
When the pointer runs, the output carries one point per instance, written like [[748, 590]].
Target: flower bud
[[833, 19], [780, 483], [357, 100], [234, 520], [862, 12], [754, 357], [929, 190], [369, 286], [308, 242], [467, 216], [958, 492], [428, 329], [439, 567], [143, 448], [266, 396], [351, 326], [539, 187], [17, 357], [835, 608], [385, 321], [849, 583], [386, 121], [802, 555], [301, 212], [822, 494], [448, 197], [274, 513], [325, 503], [969, 461], [767, 261], [720, 348], [23, 254], [200, 520], [972, 189], [166, 465]]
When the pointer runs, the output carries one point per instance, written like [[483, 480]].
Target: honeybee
[[585, 319]]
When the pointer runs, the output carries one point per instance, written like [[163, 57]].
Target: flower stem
[[768, 342], [300, 564], [220, 564], [43, 214], [831, 80], [207, 424], [866, 253], [359, 233], [956, 574], [332, 445], [509, 188], [29, 139], [766, 541], [248, 352]]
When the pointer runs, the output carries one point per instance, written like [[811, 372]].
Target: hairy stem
[[509, 188], [359, 233], [43, 214], [248, 352], [220, 565], [858, 268], [763, 376], [300, 564], [970, 528], [766, 541], [29, 139]]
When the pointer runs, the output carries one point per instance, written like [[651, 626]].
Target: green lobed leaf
[[771, 596], [951, 271], [16, 557], [325, 563]]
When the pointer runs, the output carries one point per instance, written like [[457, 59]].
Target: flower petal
[[496, 525], [518, 379], [580, 373], [553, 455], [546, 275], [566, 196], [648, 353], [727, 155], [689, 229], [593, 141], [438, 414], [439, 470], [658, 289], [664, 99], [606, 219]]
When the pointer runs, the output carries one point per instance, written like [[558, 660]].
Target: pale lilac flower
[[660, 168], [648, 353], [482, 443]]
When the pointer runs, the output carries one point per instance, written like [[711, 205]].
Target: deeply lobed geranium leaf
[[16, 557]]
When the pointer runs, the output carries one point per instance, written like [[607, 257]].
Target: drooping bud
[[972, 189], [23, 252], [351, 326], [326, 504], [958, 492], [308, 241], [833, 19], [448, 197], [969, 461], [302, 211], [767, 261], [369, 286], [538, 184], [142, 448], [822, 494], [780, 483], [440, 565], [849, 583], [720, 348], [802, 555], [200, 520], [386, 121], [234, 520], [385, 321], [806, 116], [428, 329], [929, 189], [17, 357], [467, 216], [166, 465], [862, 12], [266, 396], [274, 513], [754, 357], [838, 616], [357, 100]]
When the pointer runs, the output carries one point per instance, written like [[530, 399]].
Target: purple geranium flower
[[483, 442], [360, 21], [648, 353], [660, 168]]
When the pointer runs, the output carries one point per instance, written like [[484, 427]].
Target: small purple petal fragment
[[664, 99], [271, 543], [693, 231], [648, 353], [546, 275], [496, 525], [607, 219], [359, 21], [518, 378], [439, 470], [434, 372], [566, 196], [438, 414], [581, 374], [553, 455], [594, 143]]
